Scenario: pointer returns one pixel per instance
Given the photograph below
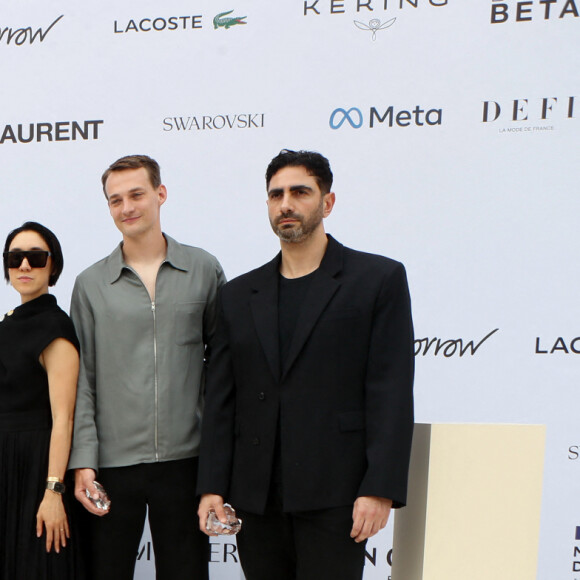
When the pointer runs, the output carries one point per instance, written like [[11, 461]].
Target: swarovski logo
[[214, 122]]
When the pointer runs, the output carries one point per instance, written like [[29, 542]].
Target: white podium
[[473, 508]]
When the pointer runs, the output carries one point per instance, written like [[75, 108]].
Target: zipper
[[156, 382], [155, 378]]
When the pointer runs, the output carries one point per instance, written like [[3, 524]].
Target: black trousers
[[306, 545], [168, 490]]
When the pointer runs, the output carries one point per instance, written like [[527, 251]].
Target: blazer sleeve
[[217, 438], [389, 392]]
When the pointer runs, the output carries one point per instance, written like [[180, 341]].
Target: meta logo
[[449, 347], [158, 24], [214, 122], [353, 117], [559, 345], [541, 109], [60, 131], [365, 6], [528, 10], [20, 36]]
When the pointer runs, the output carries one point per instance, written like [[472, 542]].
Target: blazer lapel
[[264, 306], [322, 288]]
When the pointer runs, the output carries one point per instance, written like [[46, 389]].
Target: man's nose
[[127, 206], [286, 204]]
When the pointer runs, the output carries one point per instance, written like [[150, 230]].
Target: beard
[[297, 233]]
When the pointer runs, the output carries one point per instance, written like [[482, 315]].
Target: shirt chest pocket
[[188, 322]]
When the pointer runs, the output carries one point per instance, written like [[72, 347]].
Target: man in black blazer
[[309, 408]]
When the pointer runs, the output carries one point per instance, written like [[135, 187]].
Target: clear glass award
[[100, 499], [230, 528]]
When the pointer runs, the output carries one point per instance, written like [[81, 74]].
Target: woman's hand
[[52, 516]]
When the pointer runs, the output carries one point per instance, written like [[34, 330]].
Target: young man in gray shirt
[[145, 316]]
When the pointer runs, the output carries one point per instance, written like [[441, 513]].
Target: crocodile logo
[[222, 21]]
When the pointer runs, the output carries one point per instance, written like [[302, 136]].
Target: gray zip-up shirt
[[142, 362]]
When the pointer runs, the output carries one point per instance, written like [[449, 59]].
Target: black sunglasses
[[36, 258]]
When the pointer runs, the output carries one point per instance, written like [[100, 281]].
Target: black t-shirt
[[291, 295]]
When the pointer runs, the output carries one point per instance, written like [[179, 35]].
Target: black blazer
[[344, 397]]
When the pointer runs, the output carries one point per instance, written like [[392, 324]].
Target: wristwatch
[[56, 486]]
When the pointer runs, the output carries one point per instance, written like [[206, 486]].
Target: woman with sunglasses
[[39, 365]]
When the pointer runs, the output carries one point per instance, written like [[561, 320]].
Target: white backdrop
[[456, 152]]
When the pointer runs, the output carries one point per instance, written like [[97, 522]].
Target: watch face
[[56, 486]]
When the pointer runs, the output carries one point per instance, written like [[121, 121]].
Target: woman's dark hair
[[52, 243]]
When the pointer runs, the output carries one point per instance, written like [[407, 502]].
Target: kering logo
[[374, 25], [449, 347], [222, 20], [159, 24], [559, 345], [349, 6], [526, 11], [403, 118], [217, 122], [60, 131], [21, 35]]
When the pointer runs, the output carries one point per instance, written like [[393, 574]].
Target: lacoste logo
[[374, 25], [220, 20]]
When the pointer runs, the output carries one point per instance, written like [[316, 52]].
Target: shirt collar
[[175, 257]]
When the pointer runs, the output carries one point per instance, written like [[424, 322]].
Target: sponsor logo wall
[[453, 132]]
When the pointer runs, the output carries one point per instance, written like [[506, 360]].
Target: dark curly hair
[[316, 164]]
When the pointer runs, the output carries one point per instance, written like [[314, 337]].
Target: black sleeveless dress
[[25, 424]]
